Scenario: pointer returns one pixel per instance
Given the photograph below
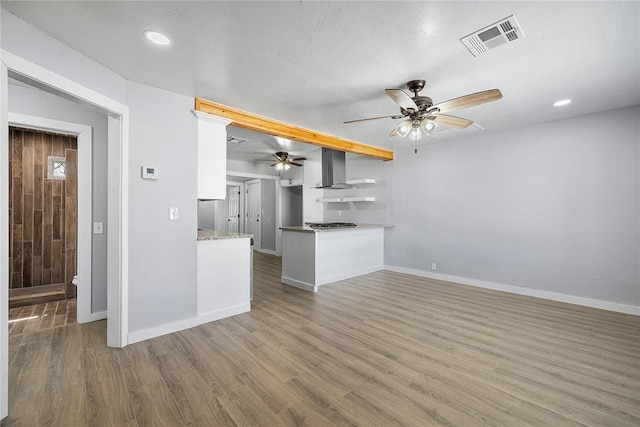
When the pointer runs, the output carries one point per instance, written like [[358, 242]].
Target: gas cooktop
[[331, 224]]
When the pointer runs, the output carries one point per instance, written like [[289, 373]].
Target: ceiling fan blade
[[401, 98], [374, 118], [295, 164], [453, 121], [469, 100], [298, 159]]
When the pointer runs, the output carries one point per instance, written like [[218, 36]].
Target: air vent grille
[[504, 31], [236, 140]]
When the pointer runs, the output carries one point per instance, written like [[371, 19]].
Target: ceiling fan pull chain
[[415, 150]]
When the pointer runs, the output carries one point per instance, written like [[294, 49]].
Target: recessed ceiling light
[[562, 102], [157, 38]]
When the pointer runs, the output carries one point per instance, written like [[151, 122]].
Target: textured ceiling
[[316, 64]]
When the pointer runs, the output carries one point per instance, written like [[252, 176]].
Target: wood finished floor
[[384, 349], [37, 317]]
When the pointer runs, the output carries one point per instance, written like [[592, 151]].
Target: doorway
[[253, 203], [233, 198], [43, 213]]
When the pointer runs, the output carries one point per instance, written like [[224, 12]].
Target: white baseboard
[[92, 317], [181, 325], [225, 312], [298, 284], [349, 275], [165, 329], [571, 299], [266, 251]]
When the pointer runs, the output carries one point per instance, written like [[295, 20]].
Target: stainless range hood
[[334, 171]]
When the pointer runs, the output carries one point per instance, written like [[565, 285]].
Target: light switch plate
[[174, 215], [98, 228]]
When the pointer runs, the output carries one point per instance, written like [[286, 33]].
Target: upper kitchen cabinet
[[212, 156]]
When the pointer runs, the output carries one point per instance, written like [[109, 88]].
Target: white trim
[[278, 251], [52, 80], [99, 315], [167, 328], [181, 325], [348, 275], [85, 218], [118, 231], [223, 313], [257, 242], [252, 175], [298, 284], [211, 118], [571, 299], [4, 243], [118, 177]]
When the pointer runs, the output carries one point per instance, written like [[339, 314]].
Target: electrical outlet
[[339, 213], [433, 266], [98, 228]]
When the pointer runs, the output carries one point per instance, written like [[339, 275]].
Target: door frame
[[256, 242], [239, 186], [117, 217], [84, 135], [278, 201]]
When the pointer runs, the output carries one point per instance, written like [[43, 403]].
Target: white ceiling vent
[[504, 31], [236, 140]]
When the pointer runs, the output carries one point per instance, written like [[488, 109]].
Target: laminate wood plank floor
[[29, 318], [385, 349]]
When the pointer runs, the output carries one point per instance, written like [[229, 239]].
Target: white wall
[[292, 206], [38, 103], [250, 168], [312, 210], [22, 39], [552, 207], [162, 264], [378, 212], [207, 214]]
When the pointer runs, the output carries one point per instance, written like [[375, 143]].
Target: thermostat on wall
[[149, 172]]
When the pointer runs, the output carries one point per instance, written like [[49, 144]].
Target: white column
[[212, 156]]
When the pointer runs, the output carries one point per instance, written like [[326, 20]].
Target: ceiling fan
[[422, 116], [284, 162]]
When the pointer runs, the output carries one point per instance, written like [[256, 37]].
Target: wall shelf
[[361, 181], [347, 199]]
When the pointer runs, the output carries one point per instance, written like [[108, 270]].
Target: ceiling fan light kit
[[283, 162], [422, 117]]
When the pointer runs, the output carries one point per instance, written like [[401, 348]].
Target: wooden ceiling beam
[[257, 123]]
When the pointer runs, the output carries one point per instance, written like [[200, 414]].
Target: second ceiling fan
[[422, 116], [284, 162]]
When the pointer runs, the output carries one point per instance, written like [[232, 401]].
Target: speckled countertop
[[307, 229], [206, 234]]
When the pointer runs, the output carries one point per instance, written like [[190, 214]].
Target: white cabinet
[[212, 156], [223, 278]]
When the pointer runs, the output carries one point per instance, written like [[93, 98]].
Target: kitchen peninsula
[[224, 274], [323, 254]]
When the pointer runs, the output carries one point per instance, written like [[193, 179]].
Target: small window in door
[[57, 167]]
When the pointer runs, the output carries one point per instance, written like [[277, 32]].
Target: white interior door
[[233, 196], [253, 204]]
